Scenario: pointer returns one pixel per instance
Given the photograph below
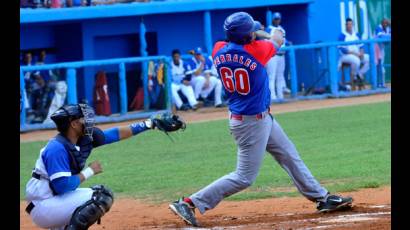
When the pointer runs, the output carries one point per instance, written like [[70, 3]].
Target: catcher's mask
[[67, 113]]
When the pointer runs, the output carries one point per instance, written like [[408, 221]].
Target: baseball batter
[[54, 199], [241, 66]]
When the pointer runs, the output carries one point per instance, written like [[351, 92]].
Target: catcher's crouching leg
[[92, 210]]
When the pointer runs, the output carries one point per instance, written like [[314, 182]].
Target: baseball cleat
[[286, 90], [185, 211], [197, 106], [333, 203], [184, 107]]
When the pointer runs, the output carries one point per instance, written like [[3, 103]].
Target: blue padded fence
[[332, 53], [72, 87]]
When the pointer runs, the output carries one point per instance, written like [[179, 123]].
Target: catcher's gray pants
[[253, 137]]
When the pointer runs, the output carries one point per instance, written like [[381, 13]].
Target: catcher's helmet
[[67, 113], [239, 27]]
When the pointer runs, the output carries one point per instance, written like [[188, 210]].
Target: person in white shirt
[[204, 77], [181, 82], [276, 66], [58, 101], [353, 55]]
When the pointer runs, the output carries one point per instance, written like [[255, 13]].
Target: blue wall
[[36, 36], [183, 31], [324, 20]]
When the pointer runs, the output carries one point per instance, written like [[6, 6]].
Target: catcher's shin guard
[[92, 210]]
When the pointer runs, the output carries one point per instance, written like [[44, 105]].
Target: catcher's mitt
[[167, 122]]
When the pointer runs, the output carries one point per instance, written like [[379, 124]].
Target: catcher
[[54, 198]]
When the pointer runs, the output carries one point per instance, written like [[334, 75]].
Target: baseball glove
[[167, 122]]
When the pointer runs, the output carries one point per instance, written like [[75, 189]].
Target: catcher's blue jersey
[[242, 71]]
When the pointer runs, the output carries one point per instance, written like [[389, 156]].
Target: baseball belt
[[36, 175], [29, 207], [258, 116]]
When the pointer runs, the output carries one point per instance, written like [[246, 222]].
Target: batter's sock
[[189, 201], [323, 199]]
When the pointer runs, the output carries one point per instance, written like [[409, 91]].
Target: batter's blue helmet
[[258, 25], [239, 26]]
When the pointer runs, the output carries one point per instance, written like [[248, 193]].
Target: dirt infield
[[371, 210], [207, 114]]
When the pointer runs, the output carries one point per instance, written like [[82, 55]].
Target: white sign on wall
[[357, 11]]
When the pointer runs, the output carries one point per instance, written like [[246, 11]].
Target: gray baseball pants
[[253, 136]]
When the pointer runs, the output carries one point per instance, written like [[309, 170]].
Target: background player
[[204, 77], [353, 55], [241, 66], [55, 201], [276, 66], [181, 82]]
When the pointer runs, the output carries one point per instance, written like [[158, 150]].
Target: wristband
[[87, 173], [148, 123], [140, 127]]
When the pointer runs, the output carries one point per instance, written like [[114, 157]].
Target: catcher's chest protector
[[78, 157]]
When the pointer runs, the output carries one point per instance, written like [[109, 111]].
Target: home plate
[[355, 217]]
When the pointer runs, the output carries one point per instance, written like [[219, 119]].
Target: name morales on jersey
[[235, 58]]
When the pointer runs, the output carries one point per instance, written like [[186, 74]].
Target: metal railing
[[332, 54], [71, 79]]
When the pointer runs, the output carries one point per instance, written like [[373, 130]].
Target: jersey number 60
[[237, 80]]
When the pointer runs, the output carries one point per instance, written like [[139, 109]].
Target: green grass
[[346, 148]]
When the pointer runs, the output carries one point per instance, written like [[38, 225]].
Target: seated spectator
[[204, 77], [353, 55], [28, 79], [65, 3], [28, 4], [58, 3], [182, 83], [129, 1], [382, 31], [41, 58], [102, 2], [41, 99], [27, 59], [76, 3], [46, 74]]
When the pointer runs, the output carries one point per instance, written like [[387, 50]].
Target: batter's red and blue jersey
[[243, 75]]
